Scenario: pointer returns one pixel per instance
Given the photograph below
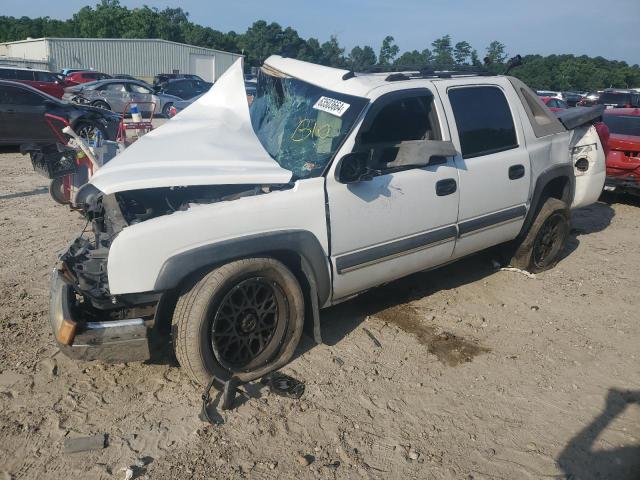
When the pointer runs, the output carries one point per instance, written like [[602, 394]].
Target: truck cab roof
[[359, 84]]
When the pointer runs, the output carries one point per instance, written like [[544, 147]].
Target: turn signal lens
[[66, 332]]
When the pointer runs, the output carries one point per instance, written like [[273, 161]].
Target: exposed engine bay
[[84, 264]]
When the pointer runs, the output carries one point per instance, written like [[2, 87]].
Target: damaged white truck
[[232, 225]]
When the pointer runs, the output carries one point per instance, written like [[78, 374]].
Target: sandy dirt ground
[[460, 373]]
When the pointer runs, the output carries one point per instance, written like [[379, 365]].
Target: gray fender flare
[[314, 263], [556, 171]]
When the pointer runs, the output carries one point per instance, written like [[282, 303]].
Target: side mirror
[[353, 168]]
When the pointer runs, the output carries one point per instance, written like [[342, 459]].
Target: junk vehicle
[[230, 226], [22, 120], [115, 94], [623, 159], [47, 82], [72, 159], [183, 88], [613, 98], [76, 78]]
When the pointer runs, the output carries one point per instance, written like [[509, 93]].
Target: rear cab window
[[484, 120]]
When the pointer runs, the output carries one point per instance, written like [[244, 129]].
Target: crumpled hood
[[210, 143]]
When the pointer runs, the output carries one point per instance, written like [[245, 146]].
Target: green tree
[[388, 51], [360, 58], [415, 58], [443, 51], [496, 52], [331, 53], [475, 59], [462, 51], [311, 51]]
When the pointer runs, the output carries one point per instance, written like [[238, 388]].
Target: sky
[[592, 27]]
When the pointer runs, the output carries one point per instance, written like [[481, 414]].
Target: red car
[[42, 80], [77, 78], [554, 104], [623, 158]]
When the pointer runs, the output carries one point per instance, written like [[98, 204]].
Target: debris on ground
[[283, 385], [518, 270], [84, 444], [375, 341]]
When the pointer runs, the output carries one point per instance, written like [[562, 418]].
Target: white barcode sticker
[[332, 106]]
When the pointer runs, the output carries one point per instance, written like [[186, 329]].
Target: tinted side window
[[138, 88], [484, 120], [7, 73], [114, 87], [18, 96], [45, 77], [24, 75], [405, 119]]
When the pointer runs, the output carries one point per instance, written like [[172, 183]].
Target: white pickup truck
[[231, 226]]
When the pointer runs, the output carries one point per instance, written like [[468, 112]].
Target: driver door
[[402, 220], [144, 96]]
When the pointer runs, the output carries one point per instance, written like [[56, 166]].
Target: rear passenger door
[[23, 113], [493, 164]]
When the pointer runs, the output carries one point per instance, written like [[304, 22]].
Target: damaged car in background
[[230, 227]]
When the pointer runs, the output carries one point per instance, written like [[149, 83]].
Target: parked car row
[[117, 94], [181, 86], [22, 119], [611, 98]]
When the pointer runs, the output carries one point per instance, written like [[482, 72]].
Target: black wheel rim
[[245, 322], [86, 131], [549, 240]]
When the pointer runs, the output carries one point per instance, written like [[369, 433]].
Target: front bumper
[[116, 341]]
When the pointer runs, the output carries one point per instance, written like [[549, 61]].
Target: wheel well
[[292, 260], [100, 101], [559, 188]]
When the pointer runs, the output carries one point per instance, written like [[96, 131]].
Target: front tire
[[237, 319], [166, 108], [101, 104], [87, 129], [541, 247]]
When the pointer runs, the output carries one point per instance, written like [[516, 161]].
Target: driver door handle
[[516, 171], [446, 187]]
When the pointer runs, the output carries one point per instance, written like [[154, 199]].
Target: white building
[[141, 58]]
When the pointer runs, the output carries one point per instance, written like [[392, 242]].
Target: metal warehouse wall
[[27, 49], [137, 57], [21, 62]]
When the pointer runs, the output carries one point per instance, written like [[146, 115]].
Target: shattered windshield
[[301, 125]]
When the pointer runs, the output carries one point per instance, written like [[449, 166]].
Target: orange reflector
[[66, 332]]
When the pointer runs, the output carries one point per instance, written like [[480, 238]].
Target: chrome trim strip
[[405, 246], [116, 323]]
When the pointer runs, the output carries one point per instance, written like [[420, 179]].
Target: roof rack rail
[[427, 68], [407, 72]]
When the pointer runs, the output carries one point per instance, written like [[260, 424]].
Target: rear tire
[[237, 318], [541, 247]]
